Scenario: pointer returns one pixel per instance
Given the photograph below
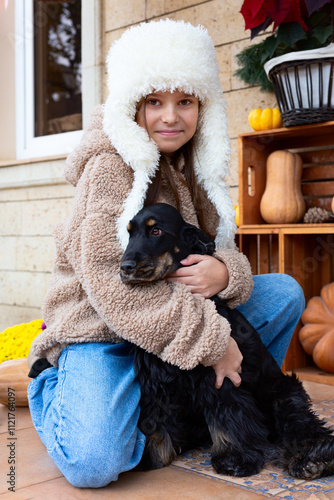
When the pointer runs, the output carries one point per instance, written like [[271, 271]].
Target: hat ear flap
[[197, 240]]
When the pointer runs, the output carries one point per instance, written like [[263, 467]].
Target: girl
[[160, 137]]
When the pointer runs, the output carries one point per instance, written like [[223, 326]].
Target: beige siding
[[34, 197]]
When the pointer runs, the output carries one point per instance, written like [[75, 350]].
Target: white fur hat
[[164, 56]]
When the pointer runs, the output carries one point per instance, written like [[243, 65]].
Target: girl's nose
[[170, 114]]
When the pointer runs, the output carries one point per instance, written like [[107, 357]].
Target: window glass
[[57, 66]]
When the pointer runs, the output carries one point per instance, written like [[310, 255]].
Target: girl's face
[[170, 119]]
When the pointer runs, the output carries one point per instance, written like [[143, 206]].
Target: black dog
[[182, 409]]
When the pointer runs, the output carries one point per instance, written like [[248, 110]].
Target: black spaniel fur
[[182, 409]]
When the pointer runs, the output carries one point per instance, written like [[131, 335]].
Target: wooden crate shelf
[[314, 374], [314, 143], [304, 251]]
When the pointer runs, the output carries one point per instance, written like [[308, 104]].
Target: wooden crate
[[314, 143], [304, 251]]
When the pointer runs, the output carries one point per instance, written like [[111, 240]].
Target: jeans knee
[[294, 294], [100, 463], [91, 471]]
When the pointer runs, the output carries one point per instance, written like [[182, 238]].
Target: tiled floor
[[38, 478]]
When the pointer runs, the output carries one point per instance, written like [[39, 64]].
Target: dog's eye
[[155, 231]]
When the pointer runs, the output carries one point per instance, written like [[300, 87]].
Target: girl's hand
[[229, 365], [203, 274]]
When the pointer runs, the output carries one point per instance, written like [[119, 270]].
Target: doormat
[[272, 481]]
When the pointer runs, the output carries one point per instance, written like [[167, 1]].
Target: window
[[48, 76], [57, 67]]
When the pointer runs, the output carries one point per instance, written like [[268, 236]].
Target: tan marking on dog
[[161, 450], [163, 264], [176, 249], [220, 440], [151, 222], [129, 227]]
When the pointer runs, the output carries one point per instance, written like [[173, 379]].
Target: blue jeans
[[274, 308], [86, 412]]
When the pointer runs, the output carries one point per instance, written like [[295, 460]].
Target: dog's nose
[[128, 266]]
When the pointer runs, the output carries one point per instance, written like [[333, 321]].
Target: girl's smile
[[169, 132], [170, 119]]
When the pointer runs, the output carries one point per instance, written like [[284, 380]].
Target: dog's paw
[[237, 464], [314, 460], [305, 469]]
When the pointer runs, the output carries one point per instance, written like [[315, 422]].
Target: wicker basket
[[304, 88]]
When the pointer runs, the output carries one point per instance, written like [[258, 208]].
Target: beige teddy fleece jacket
[[86, 300]]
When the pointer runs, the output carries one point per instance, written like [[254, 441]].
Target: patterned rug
[[272, 481]]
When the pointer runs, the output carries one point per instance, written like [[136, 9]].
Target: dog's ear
[[198, 241]]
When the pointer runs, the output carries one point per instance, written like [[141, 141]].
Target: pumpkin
[[265, 119], [282, 201], [317, 334], [14, 382]]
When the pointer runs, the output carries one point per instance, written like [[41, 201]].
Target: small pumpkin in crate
[[317, 334], [14, 382], [265, 119]]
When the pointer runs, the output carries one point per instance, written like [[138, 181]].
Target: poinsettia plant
[[297, 25]]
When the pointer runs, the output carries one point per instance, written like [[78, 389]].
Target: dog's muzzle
[[147, 269], [134, 272]]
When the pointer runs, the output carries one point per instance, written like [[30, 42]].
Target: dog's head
[[159, 240]]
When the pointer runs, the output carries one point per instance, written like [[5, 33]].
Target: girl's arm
[[203, 275], [206, 276], [228, 274]]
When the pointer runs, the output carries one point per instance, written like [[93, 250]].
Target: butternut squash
[[14, 382], [317, 334], [282, 201]]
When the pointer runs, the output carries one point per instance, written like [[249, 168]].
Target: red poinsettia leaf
[[255, 12], [288, 11], [261, 27], [313, 5]]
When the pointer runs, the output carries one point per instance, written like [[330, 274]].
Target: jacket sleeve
[[240, 283], [165, 319]]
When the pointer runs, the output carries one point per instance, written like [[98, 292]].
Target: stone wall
[[33, 194], [33, 198]]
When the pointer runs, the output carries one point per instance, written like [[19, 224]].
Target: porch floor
[[38, 478]]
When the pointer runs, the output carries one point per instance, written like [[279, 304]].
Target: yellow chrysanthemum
[[15, 341]]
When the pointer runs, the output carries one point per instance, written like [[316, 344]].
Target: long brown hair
[[189, 180]]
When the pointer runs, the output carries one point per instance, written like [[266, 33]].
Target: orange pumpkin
[[317, 334], [14, 382]]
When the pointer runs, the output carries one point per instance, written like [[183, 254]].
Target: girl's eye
[[185, 102], [156, 231], [153, 102]]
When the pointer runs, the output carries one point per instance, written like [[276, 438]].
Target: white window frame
[[27, 145]]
